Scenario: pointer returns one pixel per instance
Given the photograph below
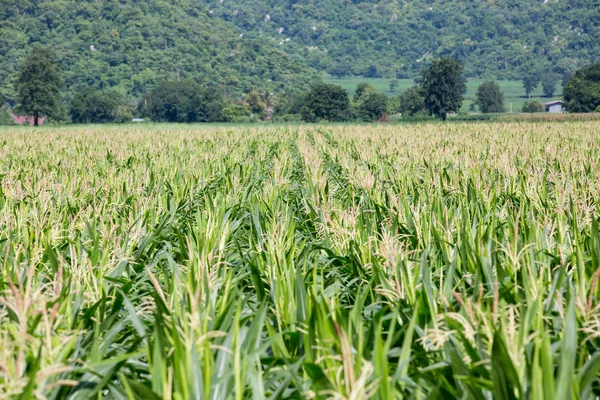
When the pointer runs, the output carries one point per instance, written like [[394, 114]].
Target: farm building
[[555, 106]]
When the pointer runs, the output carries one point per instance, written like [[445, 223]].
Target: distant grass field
[[342, 262], [513, 90]]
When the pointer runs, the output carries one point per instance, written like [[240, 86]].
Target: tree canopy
[[582, 93], [183, 101], [549, 84], [412, 101], [489, 98], [326, 101], [373, 106], [443, 85], [38, 85], [93, 106]]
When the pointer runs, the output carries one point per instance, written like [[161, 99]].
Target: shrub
[[533, 107]]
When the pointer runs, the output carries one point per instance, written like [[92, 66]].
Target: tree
[[533, 107], [234, 112], [5, 118], [489, 98], [185, 101], [256, 102], [327, 101], [38, 85], [412, 101], [363, 89], [372, 106], [444, 86], [549, 84], [394, 83], [341, 70], [582, 93], [372, 72], [93, 106], [531, 81]]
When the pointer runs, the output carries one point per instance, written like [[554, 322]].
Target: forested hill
[[494, 38], [132, 45]]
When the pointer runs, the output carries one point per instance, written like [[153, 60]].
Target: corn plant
[[308, 262]]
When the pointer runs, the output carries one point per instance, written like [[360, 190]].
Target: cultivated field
[[333, 262]]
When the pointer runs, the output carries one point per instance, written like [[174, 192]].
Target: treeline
[[439, 93]]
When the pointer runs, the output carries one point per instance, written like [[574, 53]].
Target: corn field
[[431, 261]]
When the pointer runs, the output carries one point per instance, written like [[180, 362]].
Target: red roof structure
[[23, 119]]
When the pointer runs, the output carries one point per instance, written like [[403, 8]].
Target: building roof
[[551, 103]]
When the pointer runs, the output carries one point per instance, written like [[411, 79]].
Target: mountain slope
[[132, 45], [495, 38]]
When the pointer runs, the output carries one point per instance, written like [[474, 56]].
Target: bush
[[471, 117], [287, 118], [533, 107], [245, 120]]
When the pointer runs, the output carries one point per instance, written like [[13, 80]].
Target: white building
[[557, 106]]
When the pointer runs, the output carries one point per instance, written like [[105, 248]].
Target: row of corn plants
[[308, 262]]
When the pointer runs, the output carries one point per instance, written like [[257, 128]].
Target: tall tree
[[327, 101], [582, 93], [489, 98], [372, 106], [412, 101], [549, 81], [38, 85], [363, 89], [444, 86], [531, 80]]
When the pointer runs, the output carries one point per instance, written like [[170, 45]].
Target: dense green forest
[[283, 45], [496, 39], [130, 46]]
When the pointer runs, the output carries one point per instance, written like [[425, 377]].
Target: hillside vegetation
[[279, 45], [495, 38], [132, 45]]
